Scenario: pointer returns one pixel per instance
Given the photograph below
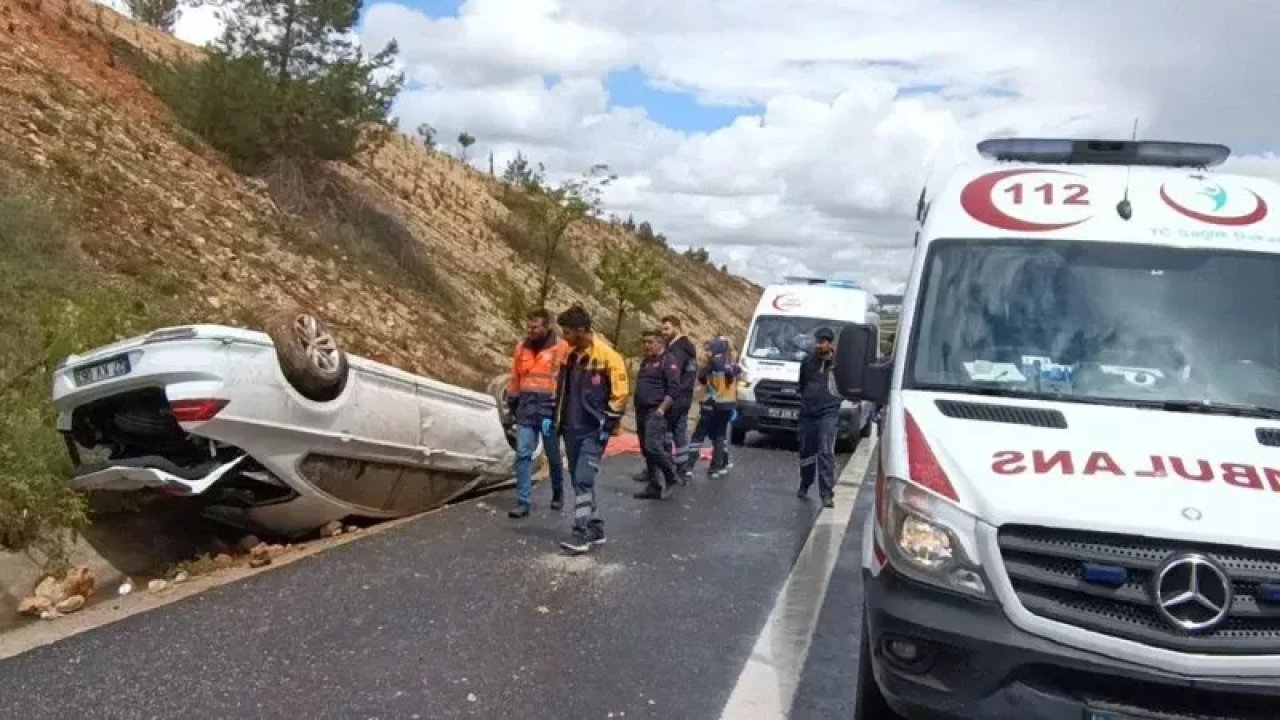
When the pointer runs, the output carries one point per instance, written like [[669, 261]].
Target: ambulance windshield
[[784, 337], [1104, 322]]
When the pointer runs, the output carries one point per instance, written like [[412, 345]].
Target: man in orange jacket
[[531, 399]]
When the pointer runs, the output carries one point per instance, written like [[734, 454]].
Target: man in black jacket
[[657, 383], [819, 418], [682, 349]]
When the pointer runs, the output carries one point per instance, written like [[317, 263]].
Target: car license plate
[[105, 370], [783, 414]]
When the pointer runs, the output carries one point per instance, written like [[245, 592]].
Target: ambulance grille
[[1046, 569], [1011, 414]]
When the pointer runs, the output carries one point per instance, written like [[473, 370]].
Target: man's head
[[670, 327], [824, 341], [653, 343], [537, 325], [575, 325]]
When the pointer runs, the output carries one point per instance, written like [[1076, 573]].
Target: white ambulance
[[780, 334], [1077, 504]]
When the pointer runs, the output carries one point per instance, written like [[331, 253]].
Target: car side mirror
[[857, 375]]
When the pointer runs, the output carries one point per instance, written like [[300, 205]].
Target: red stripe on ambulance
[[1099, 463]]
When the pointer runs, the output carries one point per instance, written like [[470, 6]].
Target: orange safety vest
[[535, 376]]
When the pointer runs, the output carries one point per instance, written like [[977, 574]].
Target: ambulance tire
[[309, 355], [737, 437]]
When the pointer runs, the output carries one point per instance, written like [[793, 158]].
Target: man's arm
[[513, 385], [804, 372], [671, 377], [619, 389]]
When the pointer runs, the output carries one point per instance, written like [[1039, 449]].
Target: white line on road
[[768, 683]]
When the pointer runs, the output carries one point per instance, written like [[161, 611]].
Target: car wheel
[[869, 702], [309, 355], [866, 429], [848, 444], [738, 437]]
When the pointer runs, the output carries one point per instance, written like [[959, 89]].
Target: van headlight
[[932, 541]]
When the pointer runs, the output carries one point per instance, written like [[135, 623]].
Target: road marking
[[768, 683]]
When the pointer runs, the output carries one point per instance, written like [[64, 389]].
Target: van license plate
[[783, 414], [105, 370]]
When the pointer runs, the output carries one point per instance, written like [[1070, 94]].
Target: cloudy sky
[[793, 137]]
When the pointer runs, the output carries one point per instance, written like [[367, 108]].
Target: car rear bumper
[[151, 472], [974, 663]]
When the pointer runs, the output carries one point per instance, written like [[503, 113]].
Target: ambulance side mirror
[[857, 374]]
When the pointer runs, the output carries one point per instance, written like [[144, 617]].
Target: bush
[[52, 303]]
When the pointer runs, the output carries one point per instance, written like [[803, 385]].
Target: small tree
[[159, 14], [465, 141], [645, 232], [553, 210], [631, 276], [521, 174], [427, 135]]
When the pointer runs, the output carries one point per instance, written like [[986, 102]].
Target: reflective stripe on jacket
[[535, 377], [594, 387], [719, 374]]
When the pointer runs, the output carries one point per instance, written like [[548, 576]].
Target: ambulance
[[779, 337], [1077, 493]]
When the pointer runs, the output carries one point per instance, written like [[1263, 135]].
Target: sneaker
[[595, 532], [828, 502], [802, 494], [519, 511], [557, 501], [651, 493]]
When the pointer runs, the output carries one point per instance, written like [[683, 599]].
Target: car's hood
[[757, 370], [1177, 475]]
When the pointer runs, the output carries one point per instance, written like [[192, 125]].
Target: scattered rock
[[248, 543], [223, 560], [125, 588], [471, 697], [544, 609], [352, 529], [181, 577], [70, 605], [260, 556], [79, 581], [34, 605], [157, 586], [333, 528]]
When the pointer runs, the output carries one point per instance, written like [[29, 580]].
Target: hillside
[[115, 219], [162, 210]]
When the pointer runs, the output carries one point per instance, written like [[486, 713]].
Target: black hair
[[539, 314], [575, 317], [651, 334]]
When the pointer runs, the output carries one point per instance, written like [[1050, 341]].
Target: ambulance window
[[1100, 320]]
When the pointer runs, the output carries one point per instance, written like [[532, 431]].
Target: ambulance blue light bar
[[795, 280], [1066, 151]]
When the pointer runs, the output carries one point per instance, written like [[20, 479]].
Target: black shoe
[[578, 545], [828, 502], [651, 493], [640, 477], [802, 494], [519, 511], [595, 531], [557, 502]]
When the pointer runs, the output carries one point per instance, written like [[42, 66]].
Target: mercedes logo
[[1192, 592]]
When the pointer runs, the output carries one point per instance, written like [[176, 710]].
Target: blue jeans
[[526, 443], [585, 451]]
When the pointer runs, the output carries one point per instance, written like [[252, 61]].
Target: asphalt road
[[466, 614]]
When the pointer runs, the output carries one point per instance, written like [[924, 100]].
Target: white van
[[780, 334], [1077, 503]]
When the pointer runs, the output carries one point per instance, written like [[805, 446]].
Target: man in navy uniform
[[819, 418]]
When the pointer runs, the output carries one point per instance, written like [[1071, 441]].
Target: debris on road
[[260, 556], [70, 605], [53, 596], [157, 586], [34, 605], [333, 528], [125, 588]]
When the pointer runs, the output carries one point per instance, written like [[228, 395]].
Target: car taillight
[[196, 409], [922, 467]]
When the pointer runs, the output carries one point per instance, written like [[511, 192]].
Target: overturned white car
[[278, 431]]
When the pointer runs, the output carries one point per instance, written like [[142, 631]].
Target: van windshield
[[785, 337], [1101, 322]]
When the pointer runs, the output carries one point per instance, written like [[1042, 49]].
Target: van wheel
[[848, 444], [738, 437], [869, 702], [309, 355], [866, 429]]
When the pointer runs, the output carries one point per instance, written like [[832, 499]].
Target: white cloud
[[824, 174]]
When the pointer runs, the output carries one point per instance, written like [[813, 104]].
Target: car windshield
[[784, 337], [1101, 322]]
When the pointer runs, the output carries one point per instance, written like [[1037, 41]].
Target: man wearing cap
[[819, 418]]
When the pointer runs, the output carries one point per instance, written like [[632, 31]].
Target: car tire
[[868, 701], [738, 437], [866, 429], [848, 444], [309, 355]]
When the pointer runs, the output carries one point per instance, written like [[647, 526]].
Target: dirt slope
[[156, 207]]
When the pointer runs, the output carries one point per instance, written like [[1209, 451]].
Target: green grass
[[52, 303]]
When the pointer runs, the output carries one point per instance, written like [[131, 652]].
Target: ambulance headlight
[[932, 541]]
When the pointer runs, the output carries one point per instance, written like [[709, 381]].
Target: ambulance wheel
[[309, 355], [738, 437]]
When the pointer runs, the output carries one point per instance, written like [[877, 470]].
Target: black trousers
[[653, 430]]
